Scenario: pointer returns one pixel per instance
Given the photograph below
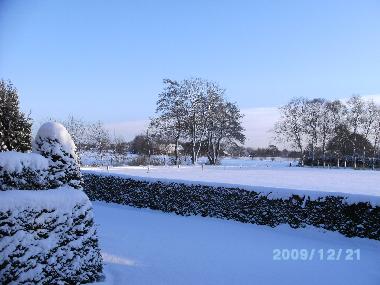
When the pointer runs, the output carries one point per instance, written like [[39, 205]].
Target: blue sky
[[106, 59]]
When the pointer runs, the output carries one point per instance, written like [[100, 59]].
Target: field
[[267, 174]]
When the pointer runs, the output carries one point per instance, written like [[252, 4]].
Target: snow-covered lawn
[[267, 174], [142, 246]]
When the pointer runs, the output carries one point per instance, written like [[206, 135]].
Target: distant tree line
[[193, 119], [95, 137], [332, 133], [271, 151]]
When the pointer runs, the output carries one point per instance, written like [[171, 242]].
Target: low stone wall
[[48, 237], [330, 212]]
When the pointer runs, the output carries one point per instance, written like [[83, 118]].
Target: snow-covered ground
[[142, 246], [276, 174]]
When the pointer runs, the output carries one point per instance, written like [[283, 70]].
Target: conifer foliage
[[55, 143], [15, 126]]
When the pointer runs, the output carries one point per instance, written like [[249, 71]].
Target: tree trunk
[[374, 152], [213, 154], [218, 149], [354, 155], [324, 151], [198, 150], [302, 154], [200, 144], [193, 155], [209, 147], [176, 151]]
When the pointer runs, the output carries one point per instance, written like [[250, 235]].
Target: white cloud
[[128, 129], [257, 121]]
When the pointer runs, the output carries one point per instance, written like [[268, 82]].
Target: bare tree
[[99, 138], [120, 146], [198, 106], [355, 120], [172, 115], [290, 128], [311, 116], [369, 118], [331, 119], [224, 126], [79, 131], [375, 134], [334, 127], [195, 111]]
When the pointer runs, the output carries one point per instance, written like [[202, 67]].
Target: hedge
[[48, 237], [330, 212]]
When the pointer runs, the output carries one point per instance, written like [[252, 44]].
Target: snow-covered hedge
[[53, 163], [23, 171], [349, 215], [48, 237]]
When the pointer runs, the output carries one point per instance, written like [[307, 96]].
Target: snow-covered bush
[[23, 171], [54, 142], [48, 237]]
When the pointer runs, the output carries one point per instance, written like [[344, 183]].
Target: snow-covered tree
[[99, 138], [172, 114], [312, 120], [224, 126], [318, 123], [55, 143], [376, 133], [15, 126], [195, 111], [291, 126], [331, 119], [198, 106], [79, 131], [356, 107], [369, 118]]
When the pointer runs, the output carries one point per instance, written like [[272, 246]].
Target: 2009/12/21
[[319, 254]]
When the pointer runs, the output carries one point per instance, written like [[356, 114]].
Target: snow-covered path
[[142, 246]]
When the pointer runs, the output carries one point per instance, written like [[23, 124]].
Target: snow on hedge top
[[276, 183], [12, 161], [56, 131], [64, 199]]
